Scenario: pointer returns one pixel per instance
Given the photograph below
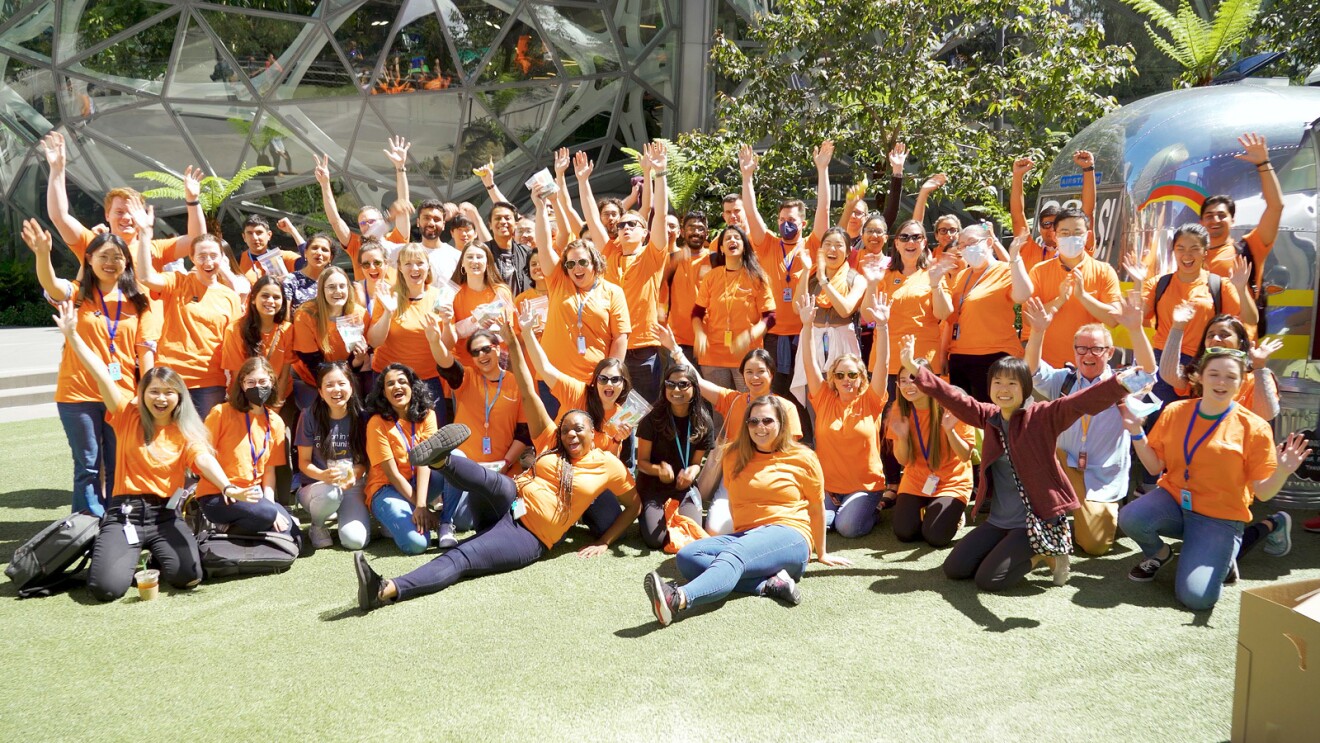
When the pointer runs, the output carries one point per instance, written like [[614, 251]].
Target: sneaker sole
[[437, 447], [794, 597], [1135, 579], [363, 571], [1287, 530], [656, 593]]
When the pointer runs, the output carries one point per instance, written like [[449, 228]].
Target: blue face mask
[[788, 231], [1141, 408]]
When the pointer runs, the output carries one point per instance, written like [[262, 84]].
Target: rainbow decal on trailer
[[1180, 191]]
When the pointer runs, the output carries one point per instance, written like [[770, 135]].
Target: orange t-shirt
[[306, 339], [912, 312], [1238, 452], [1220, 260], [734, 303], [252, 271], [683, 296], [386, 440], [547, 517], [848, 439], [152, 469], [406, 343], [73, 382], [276, 346], [640, 276], [467, 300], [983, 312], [955, 475], [236, 436], [194, 323], [162, 249], [777, 489], [354, 246], [733, 406], [1034, 253], [770, 253], [1198, 293], [572, 395], [604, 313], [471, 400], [1100, 281]]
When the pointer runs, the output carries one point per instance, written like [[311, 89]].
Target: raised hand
[[385, 295], [1134, 269], [285, 225], [1015, 247], [934, 183], [1131, 312], [143, 215], [1240, 275], [907, 353], [1037, 314], [52, 145], [37, 239], [1131, 421], [659, 156], [1256, 151], [805, 305], [322, 169], [1183, 313], [562, 159], [823, 154], [485, 172], [1022, 166], [898, 423], [538, 195], [1293, 452], [898, 158], [582, 166], [192, 183], [747, 161], [942, 267], [397, 152], [948, 421], [66, 318], [879, 309], [1262, 350], [1084, 159]]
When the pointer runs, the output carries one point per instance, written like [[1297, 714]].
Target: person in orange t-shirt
[[370, 219], [375, 271], [249, 443], [256, 236], [397, 493], [1260, 390], [1214, 456], [331, 327], [396, 327], [935, 450], [1093, 295], [688, 266], [124, 338], [733, 309], [1219, 211], [160, 438], [518, 520], [777, 490], [262, 330], [849, 413], [479, 284]]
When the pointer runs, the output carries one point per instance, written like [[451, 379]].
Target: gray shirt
[[1006, 508]]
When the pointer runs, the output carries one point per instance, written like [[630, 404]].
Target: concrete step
[[12, 379], [28, 412], [31, 395]]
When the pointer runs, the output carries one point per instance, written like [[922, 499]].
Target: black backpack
[[265, 553], [41, 567]]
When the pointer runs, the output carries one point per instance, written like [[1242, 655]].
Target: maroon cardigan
[[1034, 429]]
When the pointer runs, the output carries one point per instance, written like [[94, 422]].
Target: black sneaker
[[1231, 576], [1144, 571], [663, 596], [368, 583], [781, 586], [437, 447]]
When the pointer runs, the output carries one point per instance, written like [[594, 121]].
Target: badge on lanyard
[[1081, 461], [788, 294], [582, 345], [485, 445], [115, 371], [130, 531], [954, 335], [519, 508], [932, 482], [1186, 499], [728, 338]]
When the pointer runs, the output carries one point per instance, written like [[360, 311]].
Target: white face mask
[[1072, 246], [976, 254], [377, 230]]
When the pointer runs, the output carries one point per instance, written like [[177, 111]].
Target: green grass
[[567, 649]]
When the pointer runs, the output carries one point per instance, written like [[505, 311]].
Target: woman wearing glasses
[[1214, 456], [671, 445], [776, 490], [947, 228], [849, 411], [327, 329]]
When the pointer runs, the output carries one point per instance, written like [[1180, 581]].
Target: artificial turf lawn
[[567, 649]]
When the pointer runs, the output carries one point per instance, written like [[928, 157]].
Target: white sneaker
[[1062, 570], [320, 537], [446, 539]]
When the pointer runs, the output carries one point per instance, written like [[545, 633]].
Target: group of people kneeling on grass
[[741, 395]]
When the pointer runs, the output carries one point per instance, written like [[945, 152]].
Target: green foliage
[[21, 303], [1201, 46], [929, 73], [682, 177], [214, 189], [1292, 27]]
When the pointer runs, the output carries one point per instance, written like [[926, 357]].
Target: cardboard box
[[1276, 697]]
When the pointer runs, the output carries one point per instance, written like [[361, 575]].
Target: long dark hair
[[936, 433], [700, 420], [595, 408], [750, 264], [127, 281], [357, 441], [250, 328], [1192, 371], [418, 406], [896, 258]]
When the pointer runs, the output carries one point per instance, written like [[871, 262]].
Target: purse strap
[[1008, 452]]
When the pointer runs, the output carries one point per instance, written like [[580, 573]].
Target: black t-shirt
[[666, 449], [512, 265]]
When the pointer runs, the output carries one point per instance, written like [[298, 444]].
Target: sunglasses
[[1095, 350], [682, 384], [372, 264], [365, 222], [629, 223], [761, 422], [1047, 225], [947, 230], [1232, 353], [483, 350], [602, 379], [584, 262], [908, 238], [849, 375]]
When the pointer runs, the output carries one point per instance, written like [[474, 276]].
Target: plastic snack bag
[[350, 330], [630, 413]]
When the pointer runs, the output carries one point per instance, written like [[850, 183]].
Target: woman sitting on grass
[[518, 520], [672, 442], [160, 437], [332, 459], [776, 493], [397, 495]]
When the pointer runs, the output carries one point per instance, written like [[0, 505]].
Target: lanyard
[[1086, 425], [112, 327], [969, 285], [1187, 437], [409, 441], [489, 403], [366, 291], [788, 262], [925, 445], [256, 456], [684, 451], [275, 335], [582, 302]]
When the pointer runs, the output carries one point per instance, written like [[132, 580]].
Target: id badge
[[582, 345], [115, 371], [954, 335], [788, 294], [1186, 500], [1081, 461], [130, 533], [519, 509], [932, 482], [485, 445], [728, 339]]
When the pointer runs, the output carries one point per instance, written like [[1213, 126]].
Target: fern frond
[[1155, 12], [169, 180], [1233, 22]]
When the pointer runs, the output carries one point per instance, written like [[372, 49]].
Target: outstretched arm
[[582, 170], [57, 197], [1258, 154], [337, 223], [1017, 206], [932, 184], [538, 420], [747, 168], [822, 157], [39, 242]]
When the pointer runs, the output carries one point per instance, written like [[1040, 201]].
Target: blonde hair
[[407, 252], [741, 450], [1096, 327], [834, 364], [319, 308]]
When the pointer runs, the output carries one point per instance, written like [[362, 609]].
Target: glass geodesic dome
[[139, 85]]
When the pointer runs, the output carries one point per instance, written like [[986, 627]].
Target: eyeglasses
[[680, 385], [372, 264], [947, 230], [1232, 353], [365, 222], [849, 375], [1093, 350], [1047, 225], [907, 381], [483, 350], [873, 233], [761, 422], [908, 238], [602, 379], [584, 262], [625, 224]]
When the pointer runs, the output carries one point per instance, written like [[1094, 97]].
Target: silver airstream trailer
[[1189, 138]]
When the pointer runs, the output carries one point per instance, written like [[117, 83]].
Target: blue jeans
[[303, 394], [854, 515], [1209, 544], [644, 370], [394, 512], [92, 442], [205, 398], [250, 518], [717, 566], [455, 510]]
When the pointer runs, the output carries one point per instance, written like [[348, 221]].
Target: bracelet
[[192, 203], [660, 174], [400, 170], [488, 186], [1088, 170], [1137, 436]]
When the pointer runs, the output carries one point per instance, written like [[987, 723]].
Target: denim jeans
[[440, 403], [1209, 544], [250, 518], [92, 442], [394, 512], [644, 371], [205, 398], [854, 514], [717, 566]]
